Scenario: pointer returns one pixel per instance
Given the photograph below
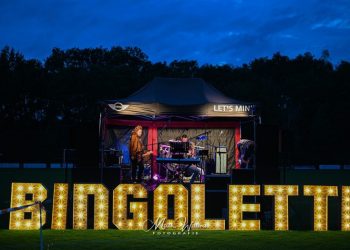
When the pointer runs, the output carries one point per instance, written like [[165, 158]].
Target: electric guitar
[[144, 155]]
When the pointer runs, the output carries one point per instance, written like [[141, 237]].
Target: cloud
[[335, 23], [209, 31]]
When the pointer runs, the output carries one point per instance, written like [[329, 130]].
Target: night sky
[[215, 32]]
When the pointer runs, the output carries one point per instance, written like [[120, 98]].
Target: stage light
[[81, 192], [18, 198], [59, 209], [161, 194], [196, 197], [120, 201], [198, 220], [236, 207], [345, 209], [281, 193], [320, 194]]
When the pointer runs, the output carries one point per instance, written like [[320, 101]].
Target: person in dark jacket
[[246, 150]]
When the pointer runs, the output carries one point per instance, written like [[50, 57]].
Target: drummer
[[191, 151], [193, 169]]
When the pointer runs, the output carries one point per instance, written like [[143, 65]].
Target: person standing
[[136, 150], [246, 150]]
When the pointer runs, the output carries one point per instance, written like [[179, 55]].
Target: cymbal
[[202, 138]]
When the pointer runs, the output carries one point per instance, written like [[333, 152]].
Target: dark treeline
[[307, 97]]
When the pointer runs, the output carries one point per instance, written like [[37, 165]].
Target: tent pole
[[254, 159], [101, 135], [240, 130]]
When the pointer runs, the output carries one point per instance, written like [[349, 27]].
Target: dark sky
[[208, 31]]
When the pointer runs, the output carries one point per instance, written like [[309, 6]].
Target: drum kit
[[178, 161], [184, 152]]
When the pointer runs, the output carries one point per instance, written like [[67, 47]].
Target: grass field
[[116, 239]]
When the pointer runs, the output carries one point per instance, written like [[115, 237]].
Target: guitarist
[[137, 154]]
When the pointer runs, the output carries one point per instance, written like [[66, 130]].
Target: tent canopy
[[179, 96], [185, 98]]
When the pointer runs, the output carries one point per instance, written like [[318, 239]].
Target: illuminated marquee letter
[[345, 209], [81, 192], [320, 194], [59, 208], [236, 207], [198, 220], [138, 209], [25, 194], [160, 205], [281, 193]]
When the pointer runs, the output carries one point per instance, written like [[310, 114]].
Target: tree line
[[305, 96]]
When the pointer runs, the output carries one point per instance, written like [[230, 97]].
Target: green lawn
[[116, 239]]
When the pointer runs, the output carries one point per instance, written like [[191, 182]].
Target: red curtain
[[152, 145]]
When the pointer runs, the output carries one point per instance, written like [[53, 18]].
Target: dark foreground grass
[[116, 239]]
